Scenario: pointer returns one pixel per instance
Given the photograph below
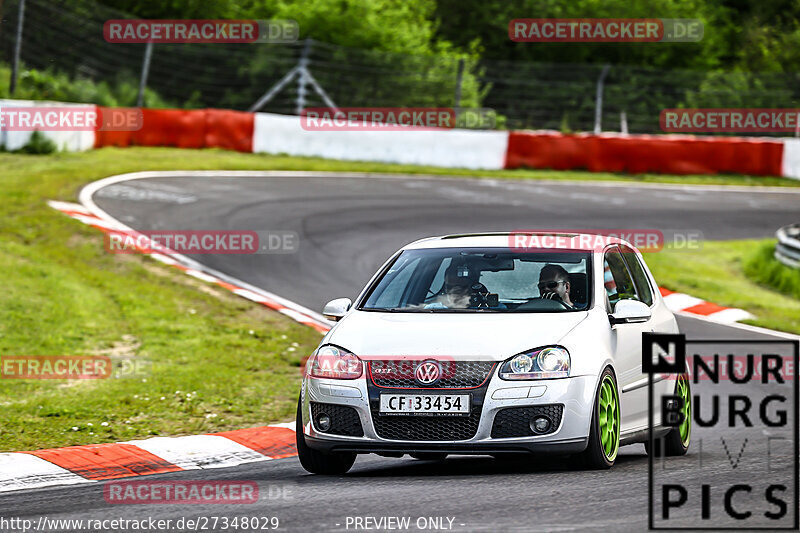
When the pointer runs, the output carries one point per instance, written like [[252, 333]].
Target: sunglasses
[[551, 285]]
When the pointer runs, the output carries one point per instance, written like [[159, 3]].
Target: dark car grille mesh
[[344, 419], [427, 427], [515, 421], [399, 374]]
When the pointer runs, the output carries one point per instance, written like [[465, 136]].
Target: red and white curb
[[158, 455], [683, 303]]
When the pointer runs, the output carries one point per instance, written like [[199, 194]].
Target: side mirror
[[629, 312], [336, 309]]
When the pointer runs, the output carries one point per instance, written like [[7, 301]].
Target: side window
[[617, 280], [639, 276]]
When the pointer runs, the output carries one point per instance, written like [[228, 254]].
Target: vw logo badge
[[427, 372]]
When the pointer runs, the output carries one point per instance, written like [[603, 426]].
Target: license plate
[[425, 404]]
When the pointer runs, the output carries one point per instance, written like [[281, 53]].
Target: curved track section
[[348, 225]]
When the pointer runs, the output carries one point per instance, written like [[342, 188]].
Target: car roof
[[520, 240]]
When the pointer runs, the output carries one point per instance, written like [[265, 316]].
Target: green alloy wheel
[[608, 416], [684, 392], [676, 442], [603, 446]]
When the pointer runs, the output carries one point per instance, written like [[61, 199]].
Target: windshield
[[483, 280]]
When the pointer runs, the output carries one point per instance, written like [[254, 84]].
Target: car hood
[[487, 335]]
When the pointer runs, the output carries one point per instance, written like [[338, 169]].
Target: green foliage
[[38, 144], [389, 25], [743, 35], [565, 124], [179, 9], [762, 267], [406, 52], [33, 84]]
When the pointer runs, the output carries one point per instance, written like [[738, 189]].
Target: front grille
[[399, 374], [515, 421], [344, 419], [427, 427]]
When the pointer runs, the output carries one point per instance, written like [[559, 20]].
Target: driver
[[554, 283], [459, 285]]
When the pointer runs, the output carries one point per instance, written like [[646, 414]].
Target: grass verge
[[733, 274], [762, 267], [216, 362]]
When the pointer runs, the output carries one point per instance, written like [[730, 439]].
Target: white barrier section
[[69, 141], [282, 134], [790, 163]]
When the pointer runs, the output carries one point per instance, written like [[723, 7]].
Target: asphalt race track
[[347, 227]]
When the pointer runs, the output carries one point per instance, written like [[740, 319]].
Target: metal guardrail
[[787, 251]]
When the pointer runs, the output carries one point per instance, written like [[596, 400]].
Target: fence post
[[302, 79], [148, 53], [17, 49], [459, 79], [598, 103]]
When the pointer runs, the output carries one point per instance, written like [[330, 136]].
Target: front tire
[[318, 462], [677, 441], [601, 453]]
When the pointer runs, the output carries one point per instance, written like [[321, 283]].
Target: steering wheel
[[480, 289]]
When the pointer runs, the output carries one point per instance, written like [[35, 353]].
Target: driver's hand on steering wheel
[[551, 296]]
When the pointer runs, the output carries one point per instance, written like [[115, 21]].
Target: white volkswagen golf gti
[[473, 344]]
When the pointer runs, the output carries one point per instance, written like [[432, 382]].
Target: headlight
[[541, 363], [332, 362]]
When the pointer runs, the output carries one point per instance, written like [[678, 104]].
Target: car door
[[626, 340]]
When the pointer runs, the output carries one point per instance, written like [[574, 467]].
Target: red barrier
[[636, 154], [103, 137], [196, 128], [172, 127], [231, 130], [644, 153]]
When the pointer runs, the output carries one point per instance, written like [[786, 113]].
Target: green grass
[[762, 267], [216, 361], [724, 273]]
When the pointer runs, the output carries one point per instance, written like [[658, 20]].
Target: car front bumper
[[575, 394]]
